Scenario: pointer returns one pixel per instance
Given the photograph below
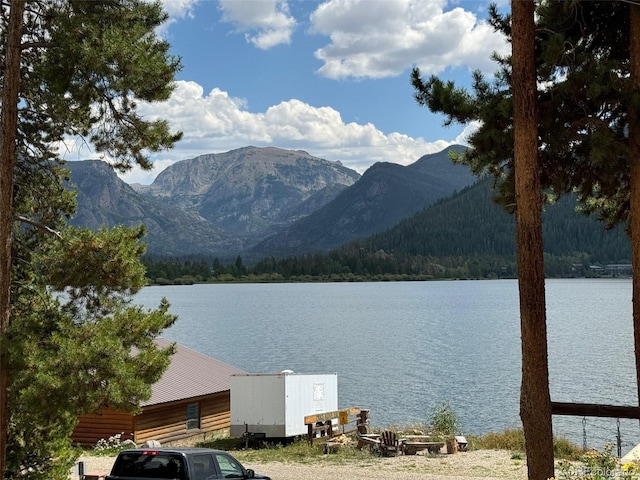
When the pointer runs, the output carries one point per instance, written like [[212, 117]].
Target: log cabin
[[191, 399]]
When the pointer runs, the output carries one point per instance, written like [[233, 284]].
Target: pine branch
[[42, 226]]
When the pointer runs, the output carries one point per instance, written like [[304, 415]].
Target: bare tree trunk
[[535, 401], [634, 184], [8, 124]]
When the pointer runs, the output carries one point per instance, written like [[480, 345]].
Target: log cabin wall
[[216, 413], [165, 423], [168, 423], [94, 427]]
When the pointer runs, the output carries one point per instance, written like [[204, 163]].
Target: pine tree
[[535, 402], [72, 68], [585, 106]]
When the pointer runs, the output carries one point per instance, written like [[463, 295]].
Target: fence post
[[363, 421]]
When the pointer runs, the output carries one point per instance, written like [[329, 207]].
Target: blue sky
[[328, 77]]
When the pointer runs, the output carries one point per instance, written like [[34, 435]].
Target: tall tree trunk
[[8, 124], [535, 401], [634, 187]]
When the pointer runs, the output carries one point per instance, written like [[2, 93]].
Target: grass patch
[[222, 443], [563, 449], [517, 456], [296, 452], [302, 452], [513, 440], [506, 440]]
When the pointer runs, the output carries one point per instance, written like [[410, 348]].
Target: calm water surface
[[400, 348]]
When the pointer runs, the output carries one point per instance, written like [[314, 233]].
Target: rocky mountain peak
[[239, 197]]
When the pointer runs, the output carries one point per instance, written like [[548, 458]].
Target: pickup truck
[[178, 464]]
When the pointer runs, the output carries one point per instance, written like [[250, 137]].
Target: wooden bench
[[413, 447]]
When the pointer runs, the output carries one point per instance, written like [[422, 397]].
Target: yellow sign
[[343, 417]]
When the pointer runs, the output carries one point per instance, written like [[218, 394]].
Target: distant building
[[613, 269], [192, 398]]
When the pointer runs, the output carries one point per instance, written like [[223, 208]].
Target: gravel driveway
[[473, 465]]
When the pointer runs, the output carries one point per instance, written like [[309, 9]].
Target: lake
[[401, 348]]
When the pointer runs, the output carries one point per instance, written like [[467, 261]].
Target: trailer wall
[[275, 404]]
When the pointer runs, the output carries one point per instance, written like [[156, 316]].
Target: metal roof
[[190, 374]]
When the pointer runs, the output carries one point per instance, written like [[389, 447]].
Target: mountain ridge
[[417, 210], [230, 200], [385, 194], [263, 201]]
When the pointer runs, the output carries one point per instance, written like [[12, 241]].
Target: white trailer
[[274, 405]]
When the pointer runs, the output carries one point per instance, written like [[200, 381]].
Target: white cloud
[[469, 129], [176, 9], [265, 23], [217, 122], [74, 148], [179, 8], [385, 40]]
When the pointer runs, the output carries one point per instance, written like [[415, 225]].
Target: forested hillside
[[464, 236], [471, 224]]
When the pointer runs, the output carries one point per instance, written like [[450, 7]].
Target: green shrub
[[517, 455], [596, 465], [443, 420]]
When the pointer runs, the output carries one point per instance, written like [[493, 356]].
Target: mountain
[[217, 204], [223, 205], [452, 177], [104, 199], [386, 194], [251, 192]]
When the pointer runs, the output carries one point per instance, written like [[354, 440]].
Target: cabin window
[[193, 416]]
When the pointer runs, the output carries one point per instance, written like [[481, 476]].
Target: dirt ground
[[472, 465]]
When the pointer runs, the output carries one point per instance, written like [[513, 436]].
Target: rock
[[128, 444]]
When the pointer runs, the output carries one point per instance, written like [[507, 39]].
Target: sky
[[327, 77]]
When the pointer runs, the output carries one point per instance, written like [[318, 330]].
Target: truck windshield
[[149, 465]]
